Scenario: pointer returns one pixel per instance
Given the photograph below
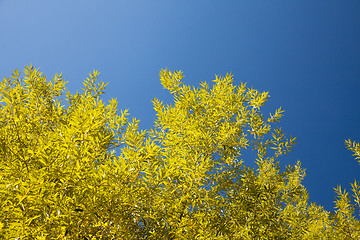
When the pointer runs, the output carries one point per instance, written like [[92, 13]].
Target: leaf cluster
[[83, 170]]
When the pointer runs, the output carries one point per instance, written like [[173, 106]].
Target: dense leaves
[[82, 170]]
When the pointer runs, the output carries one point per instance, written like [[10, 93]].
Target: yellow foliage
[[82, 170]]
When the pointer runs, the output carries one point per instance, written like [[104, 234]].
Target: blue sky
[[305, 53]]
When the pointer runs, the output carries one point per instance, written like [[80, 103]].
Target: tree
[[83, 170]]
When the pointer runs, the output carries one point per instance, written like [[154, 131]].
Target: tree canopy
[[74, 167]]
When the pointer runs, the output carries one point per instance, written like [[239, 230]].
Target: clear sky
[[305, 53]]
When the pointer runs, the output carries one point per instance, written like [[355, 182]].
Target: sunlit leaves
[[81, 170], [51, 154], [171, 80], [277, 116], [354, 147]]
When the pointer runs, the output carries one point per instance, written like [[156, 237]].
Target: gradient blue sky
[[305, 53]]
